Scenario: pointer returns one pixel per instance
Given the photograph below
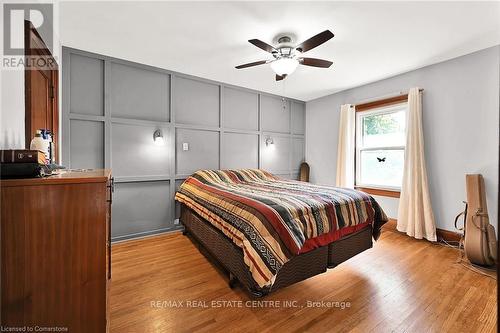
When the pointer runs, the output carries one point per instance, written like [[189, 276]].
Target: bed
[[268, 232]]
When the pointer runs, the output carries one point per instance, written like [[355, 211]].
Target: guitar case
[[480, 239], [304, 172]]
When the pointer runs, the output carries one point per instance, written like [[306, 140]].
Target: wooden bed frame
[[224, 253]]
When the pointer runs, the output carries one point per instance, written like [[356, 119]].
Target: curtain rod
[[374, 99]]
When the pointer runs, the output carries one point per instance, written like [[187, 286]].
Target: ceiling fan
[[287, 56]]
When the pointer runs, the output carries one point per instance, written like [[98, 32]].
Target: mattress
[[273, 219]]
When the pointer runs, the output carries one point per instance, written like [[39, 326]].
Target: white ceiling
[[373, 40]]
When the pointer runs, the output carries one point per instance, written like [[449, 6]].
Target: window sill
[[379, 191]]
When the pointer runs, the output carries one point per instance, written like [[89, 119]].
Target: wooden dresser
[[56, 251]]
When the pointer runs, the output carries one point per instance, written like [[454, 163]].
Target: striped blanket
[[274, 219]]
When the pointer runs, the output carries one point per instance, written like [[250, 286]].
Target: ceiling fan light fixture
[[287, 56], [284, 66]]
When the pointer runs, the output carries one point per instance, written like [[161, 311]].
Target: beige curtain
[[415, 216], [345, 150]]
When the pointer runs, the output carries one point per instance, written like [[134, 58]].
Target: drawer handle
[[112, 184]]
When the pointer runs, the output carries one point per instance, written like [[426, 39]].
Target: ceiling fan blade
[[280, 77], [262, 45], [256, 63], [315, 62], [317, 40]]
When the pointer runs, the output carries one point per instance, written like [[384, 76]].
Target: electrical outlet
[[176, 221], [185, 146]]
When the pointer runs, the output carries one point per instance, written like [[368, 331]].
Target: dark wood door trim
[[34, 46]]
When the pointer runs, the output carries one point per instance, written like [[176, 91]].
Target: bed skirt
[[223, 252]]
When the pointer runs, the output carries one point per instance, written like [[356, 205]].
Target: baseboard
[[448, 236], [140, 235], [442, 235]]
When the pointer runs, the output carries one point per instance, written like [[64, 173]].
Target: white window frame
[[359, 140]]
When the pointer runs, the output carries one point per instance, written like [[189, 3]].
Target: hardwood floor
[[401, 285]]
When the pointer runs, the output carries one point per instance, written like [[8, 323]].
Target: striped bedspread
[[274, 219]]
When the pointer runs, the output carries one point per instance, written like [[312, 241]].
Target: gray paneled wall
[[111, 108]]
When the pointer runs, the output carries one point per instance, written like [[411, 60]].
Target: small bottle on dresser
[[39, 143]]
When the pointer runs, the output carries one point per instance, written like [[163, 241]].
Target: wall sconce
[[269, 141], [158, 138], [283, 102]]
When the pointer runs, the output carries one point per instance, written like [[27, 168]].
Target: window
[[380, 147]]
